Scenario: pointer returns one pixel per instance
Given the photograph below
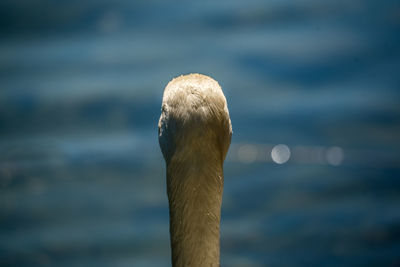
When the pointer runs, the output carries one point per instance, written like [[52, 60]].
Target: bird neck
[[195, 196]]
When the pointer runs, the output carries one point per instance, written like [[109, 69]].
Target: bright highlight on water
[[280, 154]]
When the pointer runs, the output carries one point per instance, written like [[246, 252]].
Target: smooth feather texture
[[194, 135]]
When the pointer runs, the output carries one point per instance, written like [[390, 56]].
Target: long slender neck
[[194, 133], [195, 195]]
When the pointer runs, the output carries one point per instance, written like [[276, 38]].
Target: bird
[[194, 133]]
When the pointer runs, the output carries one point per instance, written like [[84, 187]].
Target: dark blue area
[[82, 179]]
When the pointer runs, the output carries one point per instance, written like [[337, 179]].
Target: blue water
[[82, 180]]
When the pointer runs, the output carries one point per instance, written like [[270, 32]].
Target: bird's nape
[[194, 136]]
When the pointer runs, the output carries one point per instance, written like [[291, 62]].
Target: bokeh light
[[280, 154], [247, 153], [334, 156]]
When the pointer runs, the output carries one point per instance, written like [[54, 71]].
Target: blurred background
[[312, 176]]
